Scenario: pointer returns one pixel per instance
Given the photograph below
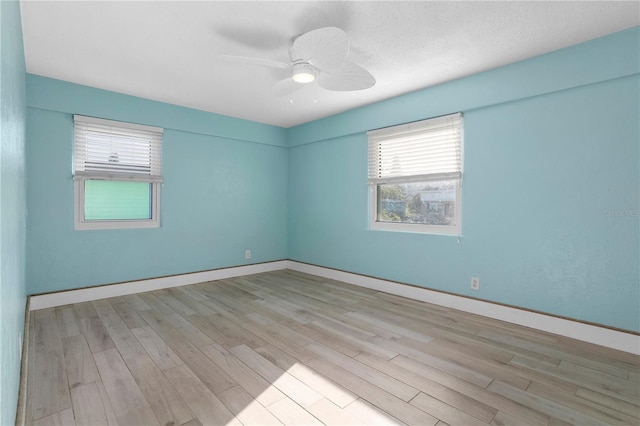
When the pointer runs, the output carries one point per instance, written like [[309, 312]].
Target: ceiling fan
[[319, 55]]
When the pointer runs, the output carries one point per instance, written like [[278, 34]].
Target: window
[[415, 175], [117, 174]]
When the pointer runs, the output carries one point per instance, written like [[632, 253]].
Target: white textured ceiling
[[168, 51]]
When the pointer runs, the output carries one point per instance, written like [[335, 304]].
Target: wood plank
[[570, 400], [81, 369], [598, 382], [286, 383], [306, 298], [97, 336], [31, 370], [90, 408], [166, 404], [188, 330], [287, 310], [206, 370], [543, 405], [180, 308], [599, 367], [391, 404], [411, 320], [412, 304], [584, 350], [111, 417], [558, 422], [341, 329], [454, 398], [587, 353], [67, 321], [331, 334], [49, 381], [368, 414], [365, 326], [502, 419], [602, 400], [290, 413], [128, 403], [191, 291], [63, 418], [208, 409], [608, 379], [129, 315], [333, 341], [394, 328], [155, 304], [473, 344], [136, 302], [246, 408], [225, 331], [442, 364], [158, 350], [371, 375], [510, 374], [252, 382], [444, 412], [501, 403], [210, 326], [325, 387], [278, 336], [358, 293], [186, 297], [330, 414], [278, 329], [499, 351]]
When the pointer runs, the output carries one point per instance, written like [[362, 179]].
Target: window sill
[[414, 228]]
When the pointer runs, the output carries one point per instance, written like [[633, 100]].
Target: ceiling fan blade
[[254, 61], [348, 76], [286, 87], [326, 48], [250, 35]]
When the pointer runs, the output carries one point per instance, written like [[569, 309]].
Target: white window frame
[[82, 225], [453, 174], [81, 176]]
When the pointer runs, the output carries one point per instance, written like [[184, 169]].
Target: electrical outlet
[[475, 283], [247, 254]]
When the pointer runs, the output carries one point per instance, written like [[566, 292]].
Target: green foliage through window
[[117, 200], [428, 203]]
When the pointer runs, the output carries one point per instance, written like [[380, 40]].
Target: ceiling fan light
[[303, 73], [303, 77]]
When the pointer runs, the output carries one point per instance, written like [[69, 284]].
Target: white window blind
[[113, 150], [420, 151]]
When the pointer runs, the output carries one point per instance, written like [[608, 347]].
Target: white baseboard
[[602, 336], [102, 292]]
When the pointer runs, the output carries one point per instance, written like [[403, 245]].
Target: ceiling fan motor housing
[[303, 72]]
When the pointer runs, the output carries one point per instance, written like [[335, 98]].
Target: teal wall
[[551, 146], [550, 194], [13, 210], [225, 191]]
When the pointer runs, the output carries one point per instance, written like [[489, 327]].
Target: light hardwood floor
[[289, 348]]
